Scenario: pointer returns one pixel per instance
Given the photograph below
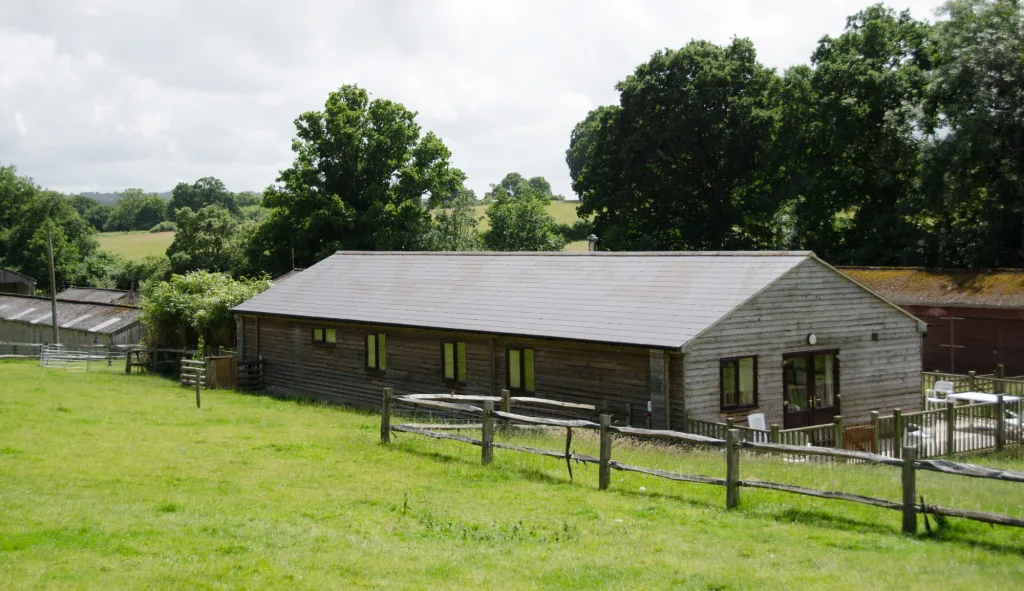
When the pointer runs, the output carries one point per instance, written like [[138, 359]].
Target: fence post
[[874, 432], [1000, 375], [732, 468], [487, 452], [506, 406], [604, 472], [839, 431], [1001, 424], [909, 491], [970, 380], [775, 434], [127, 361], [897, 433], [950, 427], [197, 392], [385, 417]]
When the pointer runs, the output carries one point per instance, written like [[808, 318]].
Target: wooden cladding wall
[[567, 371], [983, 338], [874, 375]]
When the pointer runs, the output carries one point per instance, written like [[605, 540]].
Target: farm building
[[975, 318], [13, 282], [27, 319], [101, 296], [713, 335]]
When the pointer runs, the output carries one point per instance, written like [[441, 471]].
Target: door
[[811, 387]]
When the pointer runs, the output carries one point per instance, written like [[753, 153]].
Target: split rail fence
[[733, 443]]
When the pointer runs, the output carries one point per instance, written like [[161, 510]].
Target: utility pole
[[53, 283]]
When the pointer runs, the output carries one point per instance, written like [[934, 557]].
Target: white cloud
[[121, 93]]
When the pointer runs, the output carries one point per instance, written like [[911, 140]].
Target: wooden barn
[[712, 335], [13, 282], [975, 318]]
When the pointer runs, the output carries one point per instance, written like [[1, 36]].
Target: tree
[[685, 162], [520, 222], [23, 238], [462, 194], [91, 210], [360, 174], [975, 169], [455, 225], [852, 132], [194, 310], [515, 183], [209, 239], [583, 138], [205, 191], [136, 210]]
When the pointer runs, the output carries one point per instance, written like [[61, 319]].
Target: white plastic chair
[[943, 388], [756, 421]]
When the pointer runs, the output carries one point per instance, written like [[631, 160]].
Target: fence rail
[[733, 443]]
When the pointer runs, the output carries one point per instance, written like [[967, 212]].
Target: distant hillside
[[109, 198]]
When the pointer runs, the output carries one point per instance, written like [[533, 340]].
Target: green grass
[[113, 481], [135, 245]]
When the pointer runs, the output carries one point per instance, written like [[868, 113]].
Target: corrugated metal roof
[[649, 299], [87, 316], [102, 296], [943, 287]]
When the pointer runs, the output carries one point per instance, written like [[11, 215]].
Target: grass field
[[115, 481], [135, 245]]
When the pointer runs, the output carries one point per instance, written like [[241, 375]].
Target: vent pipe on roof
[[592, 243]]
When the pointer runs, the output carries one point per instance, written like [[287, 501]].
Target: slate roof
[[85, 316], [658, 300], [1000, 288]]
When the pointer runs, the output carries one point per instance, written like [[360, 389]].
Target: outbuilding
[[17, 283], [975, 317], [28, 319], [711, 335]]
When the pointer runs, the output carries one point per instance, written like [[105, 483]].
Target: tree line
[[901, 143]]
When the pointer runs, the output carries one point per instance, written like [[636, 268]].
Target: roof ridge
[[602, 253]]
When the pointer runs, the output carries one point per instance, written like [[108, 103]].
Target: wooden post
[[950, 427], [909, 491], [732, 468], [839, 431], [487, 433], [506, 406], [1001, 422], [897, 432], [604, 471], [128, 362], [197, 393], [1000, 375], [775, 434], [970, 380], [385, 417], [874, 432]]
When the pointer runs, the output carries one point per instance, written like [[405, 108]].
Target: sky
[[101, 95]]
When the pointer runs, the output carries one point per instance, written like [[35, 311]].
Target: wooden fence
[[733, 443], [192, 373]]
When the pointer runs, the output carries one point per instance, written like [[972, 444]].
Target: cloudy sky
[[100, 95]]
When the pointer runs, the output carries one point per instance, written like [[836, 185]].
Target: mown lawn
[[114, 481], [135, 245]]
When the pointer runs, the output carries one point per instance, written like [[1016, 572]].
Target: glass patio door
[[811, 388]]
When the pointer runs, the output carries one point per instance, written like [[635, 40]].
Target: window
[[376, 348], [453, 361], [739, 383], [519, 366], [325, 336]]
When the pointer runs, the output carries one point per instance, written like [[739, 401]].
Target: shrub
[[579, 230], [164, 226], [194, 310]]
